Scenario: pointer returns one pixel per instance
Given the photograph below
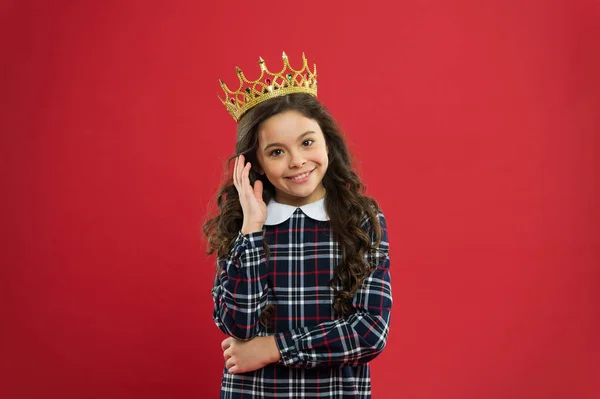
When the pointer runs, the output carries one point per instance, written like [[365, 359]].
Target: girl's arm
[[240, 290], [353, 340]]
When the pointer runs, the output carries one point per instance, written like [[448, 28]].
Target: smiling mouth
[[300, 177]]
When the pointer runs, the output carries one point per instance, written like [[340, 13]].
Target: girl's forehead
[[287, 125]]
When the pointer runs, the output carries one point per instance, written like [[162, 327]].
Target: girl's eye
[[307, 142], [275, 153]]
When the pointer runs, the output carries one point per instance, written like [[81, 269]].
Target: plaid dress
[[321, 355]]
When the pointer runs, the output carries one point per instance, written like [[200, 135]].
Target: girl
[[303, 285]]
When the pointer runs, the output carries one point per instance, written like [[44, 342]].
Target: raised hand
[[253, 206]]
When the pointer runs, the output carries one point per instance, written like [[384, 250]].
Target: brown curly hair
[[345, 202]]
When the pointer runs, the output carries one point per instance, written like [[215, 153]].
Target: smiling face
[[293, 155]]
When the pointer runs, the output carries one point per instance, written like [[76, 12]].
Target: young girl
[[303, 284]]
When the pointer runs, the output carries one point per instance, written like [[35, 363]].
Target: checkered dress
[[321, 355]]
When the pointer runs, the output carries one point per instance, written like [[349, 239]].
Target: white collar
[[279, 213]]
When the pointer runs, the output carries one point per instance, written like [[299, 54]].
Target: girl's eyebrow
[[281, 145]]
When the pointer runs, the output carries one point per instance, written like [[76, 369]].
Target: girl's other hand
[[253, 206], [246, 356]]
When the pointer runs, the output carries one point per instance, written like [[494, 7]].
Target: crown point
[[238, 70], [284, 55], [221, 83], [260, 60]]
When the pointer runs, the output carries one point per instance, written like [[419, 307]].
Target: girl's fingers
[[240, 169], [246, 175], [241, 180], [258, 188], [226, 343], [238, 173], [239, 163], [231, 366]]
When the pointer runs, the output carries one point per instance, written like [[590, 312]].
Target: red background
[[475, 124]]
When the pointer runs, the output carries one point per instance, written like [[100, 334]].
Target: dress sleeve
[[240, 290], [352, 340]]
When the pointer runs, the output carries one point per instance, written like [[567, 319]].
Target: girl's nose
[[297, 160]]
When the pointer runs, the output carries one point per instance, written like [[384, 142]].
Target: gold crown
[[269, 85]]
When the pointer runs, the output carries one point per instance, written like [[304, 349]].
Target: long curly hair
[[345, 202]]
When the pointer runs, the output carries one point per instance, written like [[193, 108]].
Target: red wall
[[476, 124]]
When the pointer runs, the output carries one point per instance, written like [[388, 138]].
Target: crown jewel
[[269, 85]]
